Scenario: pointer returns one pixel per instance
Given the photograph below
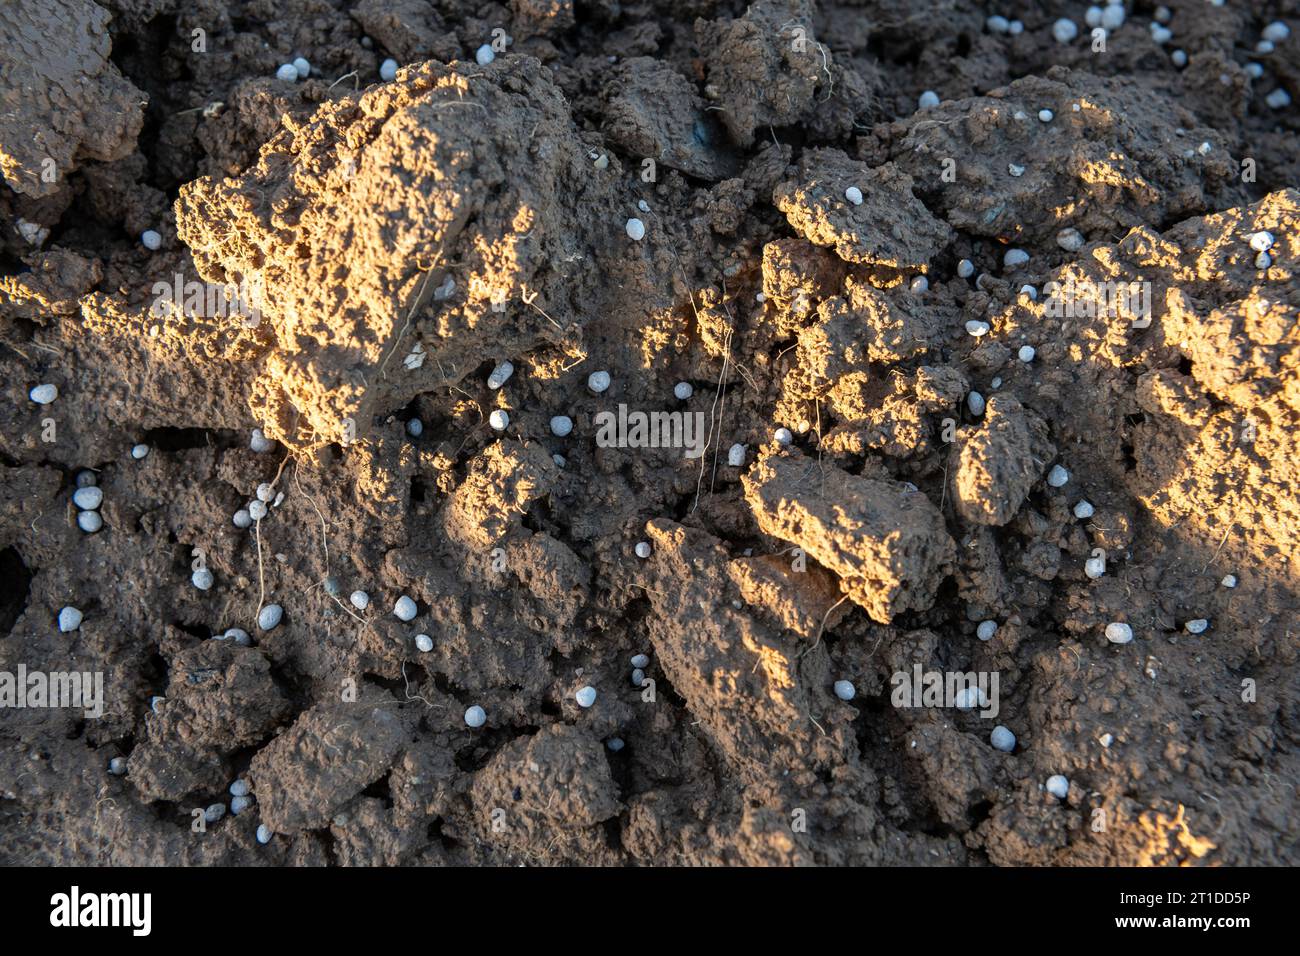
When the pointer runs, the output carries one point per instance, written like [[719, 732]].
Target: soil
[[394, 242]]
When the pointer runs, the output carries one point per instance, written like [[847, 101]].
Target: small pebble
[[405, 609], [635, 230], [854, 195], [585, 696], [736, 455], [1002, 739], [1071, 240], [1197, 626], [1064, 30], [475, 716], [1229, 581], [965, 269], [642, 205], [642, 549], [423, 643], [1083, 510], [598, 381], [202, 579], [783, 436], [259, 442], [1106, 740], [1014, 257], [1119, 633], [484, 54], [499, 420], [683, 390], [561, 425], [286, 73], [388, 70], [264, 834], [44, 394], [986, 630], [500, 375], [88, 498], [977, 327], [89, 521], [845, 690], [1261, 241], [640, 660], [117, 766], [360, 600], [1058, 786], [1030, 291], [69, 619], [1058, 477], [139, 451], [1026, 353], [1016, 170], [268, 619]]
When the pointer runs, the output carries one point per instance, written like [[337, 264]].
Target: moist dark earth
[[888, 402]]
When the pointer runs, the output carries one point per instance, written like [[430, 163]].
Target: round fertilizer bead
[[642, 549], [89, 498], [977, 327], [214, 813], [1094, 567], [986, 630], [117, 766], [1064, 30], [1261, 241], [1178, 58], [683, 390], [965, 268], [854, 195], [598, 381], [615, 744], [139, 451], [783, 436], [736, 455], [1161, 35], [1276, 32], [845, 690], [265, 492], [1058, 786], [360, 600], [484, 54], [89, 521], [264, 834], [1229, 581], [202, 579], [560, 460], [1045, 116], [1002, 739], [475, 716], [1014, 257], [69, 619], [928, 100], [500, 375], [257, 510], [388, 70], [1263, 260], [415, 428], [1093, 16], [1016, 27], [269, 618], [640, 660], [975, 402], [423, 643], [44, 394], [638, 677], [1119, 633], [405, 609], [1254, 70], [239, 804], [86, 478], [259, 442], [151, 240], [920, 284], [287, 73], [1026, 353], [1084, 510], [301, 67], [1197, 626], [499, 420], [635, 230], [561, 425], [586, 696], [1058, 477], [1279, 99], [1071, 239], [997, 24]]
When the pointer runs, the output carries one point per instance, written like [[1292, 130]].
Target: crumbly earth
[[343, 263]]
